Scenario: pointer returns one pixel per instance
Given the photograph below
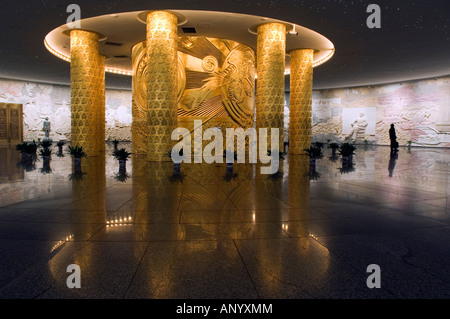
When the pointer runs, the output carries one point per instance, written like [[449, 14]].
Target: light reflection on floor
[[209, 234]]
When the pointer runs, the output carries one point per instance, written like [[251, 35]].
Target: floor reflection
[[172, 233]]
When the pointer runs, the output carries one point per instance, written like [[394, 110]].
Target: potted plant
[[78, 153], [116, 143], [275, 176], [122, 156], [230, 165], [318, 144], [46, 154], [77, 175], [60, 145], [347, 169], [346, 150], [334, 147], [28, 151], [176, 177], [46, 144], [176, 165], [229, 176], [121, 177], [22, 150], [314, 153], [313, 175], [280, 154]]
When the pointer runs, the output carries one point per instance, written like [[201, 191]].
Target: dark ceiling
[[412, 43]]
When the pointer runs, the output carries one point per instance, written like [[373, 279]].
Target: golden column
[[301, 100], [162, 55], [87, 72], [271, 52], [101, 108]]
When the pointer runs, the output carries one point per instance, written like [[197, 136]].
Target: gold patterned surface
[[215, 84], [88, 191], [139, 126], [87, 70], [238, 85], [301, 100], [299, 181], [220, 84], [102, 105], [271, 48], [162, 48]]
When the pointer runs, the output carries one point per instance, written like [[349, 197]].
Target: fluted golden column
[[162, 55], [87, 70], [300, 100], [102, 110], [271, 52]]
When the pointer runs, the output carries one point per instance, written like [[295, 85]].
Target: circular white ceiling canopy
[[120, 32]]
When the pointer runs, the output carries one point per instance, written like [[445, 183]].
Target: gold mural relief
[[87, 70], [162, 48], [238, 85], [300, 100], [139, 86], [139, 126], [215, 84], [271, 48]]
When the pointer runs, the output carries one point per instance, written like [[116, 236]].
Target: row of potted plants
[[29, 150], [346, 150]]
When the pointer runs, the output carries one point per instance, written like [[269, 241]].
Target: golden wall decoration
[[87, 70], [162, 48], [139, 126], [301, 100], [271, 47], [238, 85], [215, 84], [220, 83]]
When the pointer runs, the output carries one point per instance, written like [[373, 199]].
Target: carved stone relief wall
[[418, 109], [53, 101]]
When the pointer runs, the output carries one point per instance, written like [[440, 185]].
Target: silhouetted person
[[392, 161], [393, 137]]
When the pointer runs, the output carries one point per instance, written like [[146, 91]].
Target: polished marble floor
[[206, 234]]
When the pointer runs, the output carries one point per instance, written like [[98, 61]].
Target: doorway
[[11, 123]]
